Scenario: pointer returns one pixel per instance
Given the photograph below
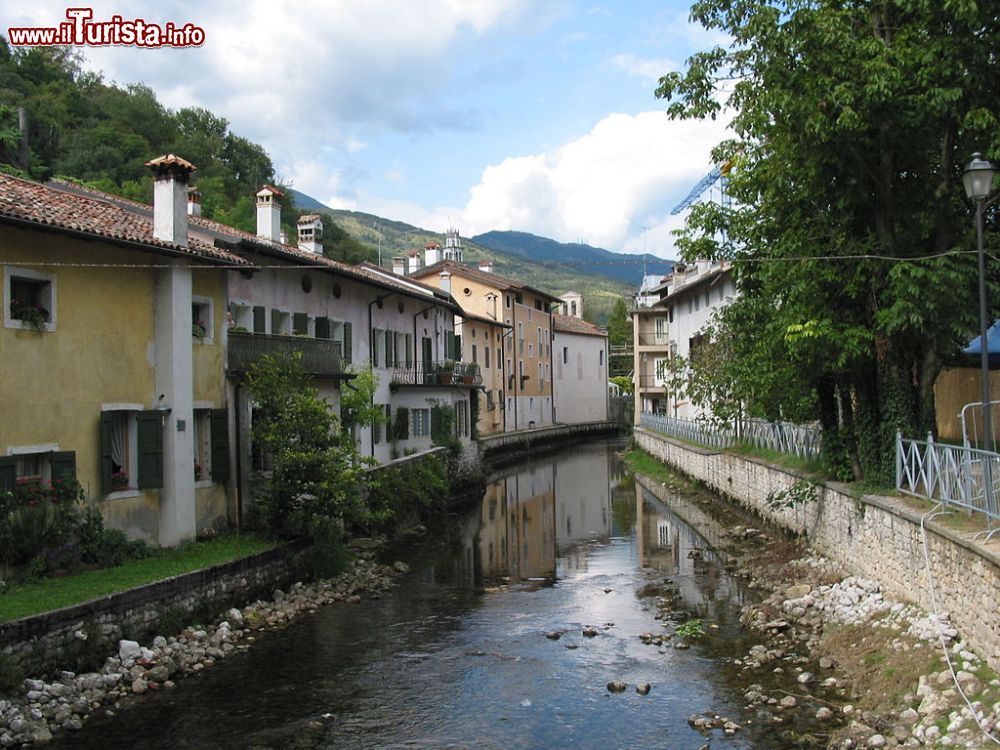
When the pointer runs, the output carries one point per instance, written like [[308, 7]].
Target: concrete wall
[[874, 537], [581, 382]]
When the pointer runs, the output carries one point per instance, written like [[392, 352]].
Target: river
[[457, 655]]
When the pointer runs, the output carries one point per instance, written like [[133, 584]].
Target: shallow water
[[457, 657]]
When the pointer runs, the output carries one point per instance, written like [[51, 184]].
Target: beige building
[[526, 396]]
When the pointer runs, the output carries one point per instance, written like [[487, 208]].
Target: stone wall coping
[[24, 628], [892, 505]]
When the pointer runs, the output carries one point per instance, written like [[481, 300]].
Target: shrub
[[106, 548]]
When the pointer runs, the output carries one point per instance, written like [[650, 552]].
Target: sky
[[528, 115]]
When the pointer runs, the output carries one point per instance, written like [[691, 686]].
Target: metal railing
[[955, 475], [319, 356], [804, 441], [437, 373]]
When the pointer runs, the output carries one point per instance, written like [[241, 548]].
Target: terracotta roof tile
[[59, 208], [570, 324], [486, 277]]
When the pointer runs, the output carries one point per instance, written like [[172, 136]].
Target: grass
[[788, 460], [640, 462], [54, 593]]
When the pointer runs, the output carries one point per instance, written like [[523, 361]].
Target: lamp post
[[978, 180]]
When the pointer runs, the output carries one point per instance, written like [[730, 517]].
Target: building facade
[[580, 383]]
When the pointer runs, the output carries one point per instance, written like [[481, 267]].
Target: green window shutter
[[219, 421], [376, 431], [63, 464], [347, 343], [409, 350], [435, 422], [402, 423], [300, 323], [149, 432], [388, 422], [458, 346], [275, 321], [322, 328], [106, 469], [259, 316], [8, 473], [377, 338], [389, 353]]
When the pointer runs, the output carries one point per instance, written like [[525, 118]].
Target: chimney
[[444, 281], [194, 202], [269, 213], [399, 265], [486, 266], [414, 263], [310, 229], [432, 253], [170, 178]]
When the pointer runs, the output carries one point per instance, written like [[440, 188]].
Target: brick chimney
[[269, 213], [170, 179], [310, 229], [194, 201], [399, 265]]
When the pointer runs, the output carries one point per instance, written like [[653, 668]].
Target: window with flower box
[[202, 325], [35, 465], [29, 299], [131, 449]]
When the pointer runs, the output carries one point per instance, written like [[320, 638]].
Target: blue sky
[[533, 115]]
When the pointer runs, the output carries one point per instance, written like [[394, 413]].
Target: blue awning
[[992, 343]]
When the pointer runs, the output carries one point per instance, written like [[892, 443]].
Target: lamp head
[[977, 177]]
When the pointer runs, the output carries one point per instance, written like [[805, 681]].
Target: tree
[[619, 324], [849, 231], [316, 474]]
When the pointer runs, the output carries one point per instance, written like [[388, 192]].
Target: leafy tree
[[619, 323], [316, 472], [851, 123]]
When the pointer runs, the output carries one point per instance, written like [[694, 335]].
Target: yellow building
[[526, 396], [112, 353], [482, 340]]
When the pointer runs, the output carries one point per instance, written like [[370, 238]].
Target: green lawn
[[53, 593]]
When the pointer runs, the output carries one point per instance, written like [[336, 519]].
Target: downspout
[[513, 347], [237, 413], [552, 369]]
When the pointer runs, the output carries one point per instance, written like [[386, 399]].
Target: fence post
[[930, 463], [899, 459]]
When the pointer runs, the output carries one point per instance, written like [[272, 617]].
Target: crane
[[718, 172]]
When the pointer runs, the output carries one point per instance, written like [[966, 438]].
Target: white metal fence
[[955, 475], [799, 440]]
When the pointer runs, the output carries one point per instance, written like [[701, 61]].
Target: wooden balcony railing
[[319, 356]]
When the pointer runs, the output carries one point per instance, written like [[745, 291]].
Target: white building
[[580, 384]]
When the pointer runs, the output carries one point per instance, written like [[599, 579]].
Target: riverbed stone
[[617, 686], [129, 650], [139, 686], [643, 688]]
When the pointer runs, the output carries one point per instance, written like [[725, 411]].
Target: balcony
[[651, 383], [437, 373], [320, 357], [650, 338]]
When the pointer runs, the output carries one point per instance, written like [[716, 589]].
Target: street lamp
[[978, 180]]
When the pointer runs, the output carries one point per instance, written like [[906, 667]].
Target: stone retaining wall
[[872, 536], [512, 445], [77, 636]]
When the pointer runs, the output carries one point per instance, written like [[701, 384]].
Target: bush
[[330, 556], [414, 485], [106, 548]]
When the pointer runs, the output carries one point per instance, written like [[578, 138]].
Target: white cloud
[[603, 187], [649, 69]]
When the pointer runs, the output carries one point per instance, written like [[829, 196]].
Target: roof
[[571, 324], [485, 277], [484, 319], [710, 276], [975, 346], [272, 189], [309, 217], [55, 207]]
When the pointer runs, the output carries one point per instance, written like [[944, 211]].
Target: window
[[565, 355], [259, 319], [211, 445], [202, 325], [241, 315], [281, 323], [697, 301], [541, 378], [708, 301], [29, 299], [420, 422], [507, 298], [529, 313], [300, 324], [475, 357], [519, 298], [540, 339], [486, 357], [35, 463], [670, 313], [600, 358], [660, 371], [661, 327], [461, 422], [531, 350], [538, 304], [377, 426], [131, 449], [491, 405]]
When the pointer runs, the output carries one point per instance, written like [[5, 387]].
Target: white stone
[[129, 650]]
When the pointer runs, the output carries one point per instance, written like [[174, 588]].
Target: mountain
[[576, 257], [601, 277]]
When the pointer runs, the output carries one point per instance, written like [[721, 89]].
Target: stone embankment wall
[[872, 536], [513, 445], [73, 636]]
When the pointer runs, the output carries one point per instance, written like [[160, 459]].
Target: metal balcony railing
[[437, 373], [319, 356]]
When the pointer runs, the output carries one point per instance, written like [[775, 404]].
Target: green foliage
[[412, 485], [691, 629], [102, 134], [401, 424], [330, 556], [316, 471], [619, 323], [853, 153], [106, 548], [357, 406], [798, 494], [443, 427], [624, 382]]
